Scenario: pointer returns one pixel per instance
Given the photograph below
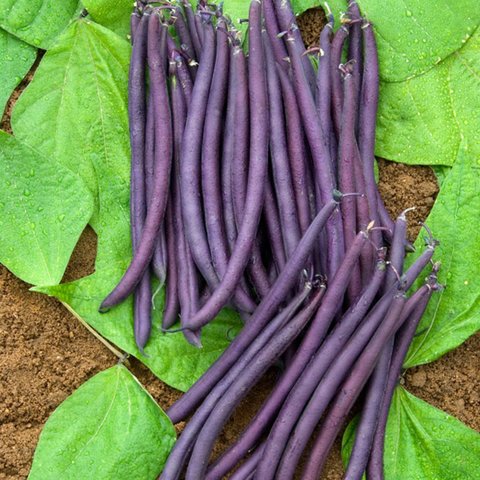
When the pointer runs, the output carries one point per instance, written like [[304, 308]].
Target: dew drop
[[408, 13], [40, 209], [27, 192], [61, 217]]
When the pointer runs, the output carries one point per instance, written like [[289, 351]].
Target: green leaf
[[109, 428], [113, 14], [43, 210], [169, 356], [423, 120], [441, 172], [16, 58], [423, 442], [37, 22], [412, 37], [454, 313], [75, 108]]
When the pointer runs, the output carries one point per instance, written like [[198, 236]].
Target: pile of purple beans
[[253, 187]]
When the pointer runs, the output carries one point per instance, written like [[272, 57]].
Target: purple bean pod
[[192, 28], [330, 384], [286, 280], [352, 386], [367, 123], [171, 307], [338, 43], [282, 177], [325, 356], [188, 295], [259, 127], [163, 161], [142, 304], [273, 29], [324, 87], [244, 382], [210, 167], [346, 180], [403, 340], [355, 54], [184, 36], [190, 165], [320, 155], [179, 454], [288, 23], [296, 150]]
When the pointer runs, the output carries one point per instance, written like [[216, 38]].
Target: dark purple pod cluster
[[253, 187]]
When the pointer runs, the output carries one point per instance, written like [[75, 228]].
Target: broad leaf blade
[[423, 442], [37, 22], [169, 356], [75, 108], [413, 37], [43, 210], [113, 14], [16, 58], [454, 313], [109, 428], [424, 120]]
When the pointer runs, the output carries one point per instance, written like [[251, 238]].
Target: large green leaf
[[454, 313], [413, 35], [43, 210], [423, 120], [423, 443], [113, 14], [75, 108], [37, 22], [169, 356], [16, 58], [109, 428]]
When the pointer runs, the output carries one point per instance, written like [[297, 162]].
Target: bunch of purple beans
[[253, 187]]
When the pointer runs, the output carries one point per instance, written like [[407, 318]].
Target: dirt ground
[[46, 353]]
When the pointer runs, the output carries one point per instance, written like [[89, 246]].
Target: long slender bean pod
[[279, 155], [296, 150], [288, 23], [353, 385], [273, 30], [346, 152], [338, 43], [142, 304], [402, 343], [324, 87], [190, 166], [249, 377], [163, 161], [178, 456], [320, 154], [367, 122], [287, 278], [329, 385], [293, 406], [210, 171], [257, 174]]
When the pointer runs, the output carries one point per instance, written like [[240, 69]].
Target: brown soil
[[47, 353]]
